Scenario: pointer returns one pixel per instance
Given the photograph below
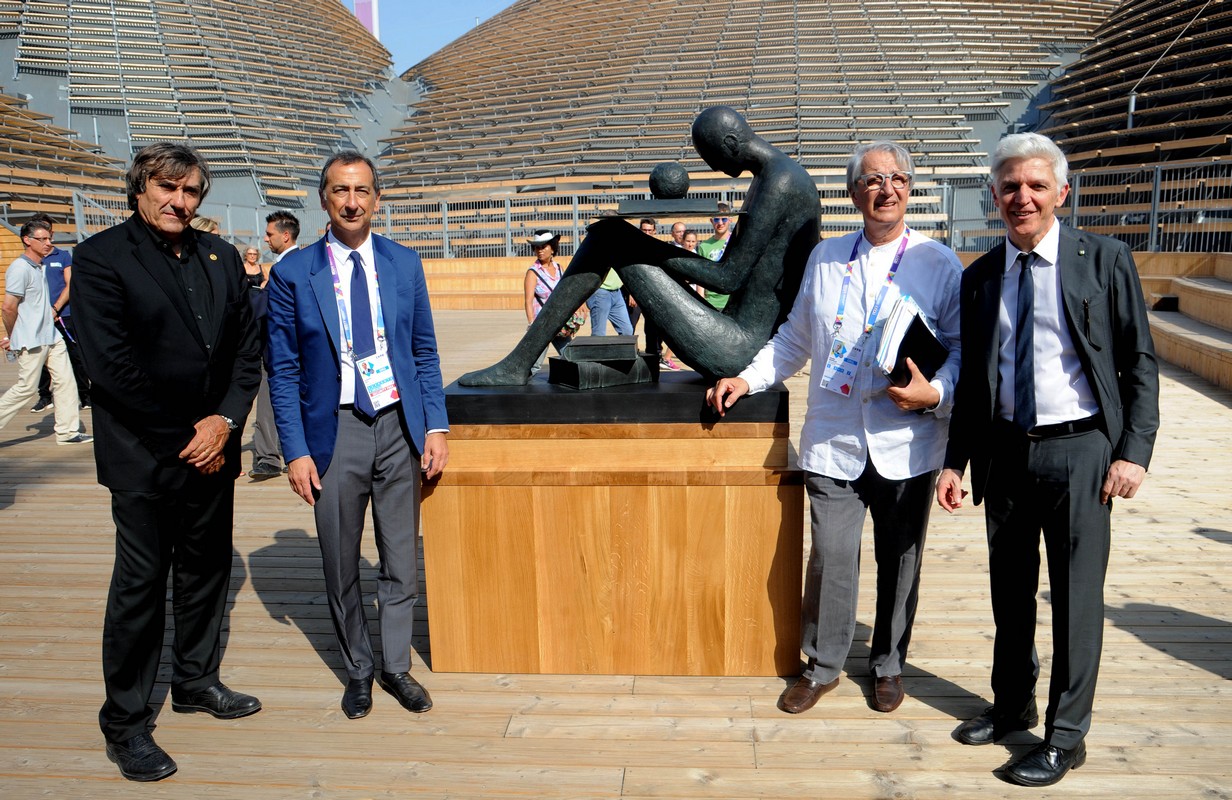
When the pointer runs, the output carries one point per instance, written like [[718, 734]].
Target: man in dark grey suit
[[1056, 409]]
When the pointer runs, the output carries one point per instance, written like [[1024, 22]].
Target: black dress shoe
[[804, 694], [357, 699], [216, 700], [1046, 765], [888, 693], [140, 759], [991, 725], [410, 694], [263, 470]]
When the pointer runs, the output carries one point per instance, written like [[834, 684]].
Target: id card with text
[[378, 377], [840, 372]]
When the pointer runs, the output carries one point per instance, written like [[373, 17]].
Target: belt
[[1063, 428], [351, 407]]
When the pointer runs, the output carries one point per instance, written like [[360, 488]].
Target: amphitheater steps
[[1197, 336]]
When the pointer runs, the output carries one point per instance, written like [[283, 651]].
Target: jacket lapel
[[214, 273], [156, 265], [990, 312], [387, 287], [321, 278], [1077, 279]]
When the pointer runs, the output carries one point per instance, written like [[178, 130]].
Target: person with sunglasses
[[866, 445], [33, 339], [714, 247]]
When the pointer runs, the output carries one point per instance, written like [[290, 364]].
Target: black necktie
[[1024, 347], [361, 331]]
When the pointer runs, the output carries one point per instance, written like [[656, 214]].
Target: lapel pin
[[1082, 251], [213, 257]]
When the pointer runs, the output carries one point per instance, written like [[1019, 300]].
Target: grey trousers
[[832, 580], [264, 433], [371, 460], [1049, 485]]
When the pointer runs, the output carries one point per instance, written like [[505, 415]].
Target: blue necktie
[[361, 332], [1024, 347]]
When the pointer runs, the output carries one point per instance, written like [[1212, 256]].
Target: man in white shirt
[[1057, 412], [866, 445], [34, 339]]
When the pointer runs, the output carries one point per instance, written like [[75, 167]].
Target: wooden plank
[[1163, 712]]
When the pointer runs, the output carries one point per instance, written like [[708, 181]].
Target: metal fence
[[1153, 208], [1172, 208]]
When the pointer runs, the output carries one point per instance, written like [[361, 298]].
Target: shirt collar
[[342, 253], [1046, 252]]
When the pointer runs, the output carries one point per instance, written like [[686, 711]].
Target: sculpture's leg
[[705, 339], [515, 369], [609, 243]]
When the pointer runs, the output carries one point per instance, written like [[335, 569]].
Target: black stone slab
[[600, 348], [677, 397], [590, 375]]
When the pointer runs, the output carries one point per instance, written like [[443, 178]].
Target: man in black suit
[[1056, 409], [167, 330]]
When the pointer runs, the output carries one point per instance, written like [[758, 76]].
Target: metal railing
[[1172, 208], [1152, 208]]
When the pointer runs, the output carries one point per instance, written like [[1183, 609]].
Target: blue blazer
[[304, 333]]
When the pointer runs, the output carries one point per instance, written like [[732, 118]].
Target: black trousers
[[186, 533], [1048, 485]]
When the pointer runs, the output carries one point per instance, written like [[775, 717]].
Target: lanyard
[[851, 262], [343, 316]]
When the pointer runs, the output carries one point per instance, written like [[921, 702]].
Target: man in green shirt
[[714, 248]]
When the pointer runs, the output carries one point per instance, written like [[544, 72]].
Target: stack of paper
[[908, 334]]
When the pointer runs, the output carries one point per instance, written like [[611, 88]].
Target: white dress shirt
[[841, 433], [342, 260], [1062, 393]]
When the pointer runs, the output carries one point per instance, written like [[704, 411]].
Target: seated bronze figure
[[761, 269]]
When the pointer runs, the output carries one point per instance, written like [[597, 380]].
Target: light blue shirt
[[35, 327]]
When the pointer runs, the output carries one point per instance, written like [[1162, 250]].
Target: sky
[[412, 30]]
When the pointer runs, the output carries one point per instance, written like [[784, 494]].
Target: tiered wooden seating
[[1174, 55], [212, 73], [41, 165], [622, 70]]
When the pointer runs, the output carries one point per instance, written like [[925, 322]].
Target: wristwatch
[[230, 422]]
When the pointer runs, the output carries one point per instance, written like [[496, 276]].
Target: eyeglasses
[[873, 181], [718, 220], [43, 239]]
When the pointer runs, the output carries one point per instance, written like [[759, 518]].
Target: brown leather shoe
[[804, 694], [888, 693]]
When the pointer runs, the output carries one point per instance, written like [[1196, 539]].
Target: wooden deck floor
[[1163, 719]]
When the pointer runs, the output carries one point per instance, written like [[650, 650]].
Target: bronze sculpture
[[761, 268]]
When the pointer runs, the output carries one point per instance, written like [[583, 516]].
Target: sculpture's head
[[723, 139]]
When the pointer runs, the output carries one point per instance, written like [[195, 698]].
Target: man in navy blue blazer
[[355, 382]]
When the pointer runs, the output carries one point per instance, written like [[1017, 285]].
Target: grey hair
[[902, 157], [1029, 145]]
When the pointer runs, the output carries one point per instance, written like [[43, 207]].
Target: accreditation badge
[[839, 375], [378, 377]]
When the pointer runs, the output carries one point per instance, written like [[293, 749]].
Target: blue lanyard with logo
[[851, 262], [343, 316]]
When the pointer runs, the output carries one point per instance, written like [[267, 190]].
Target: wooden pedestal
[[615, 548]]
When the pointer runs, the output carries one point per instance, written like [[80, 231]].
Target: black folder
[[921, 346]]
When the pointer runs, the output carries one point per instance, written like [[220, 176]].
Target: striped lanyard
[[851, 262], [343, 316]]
